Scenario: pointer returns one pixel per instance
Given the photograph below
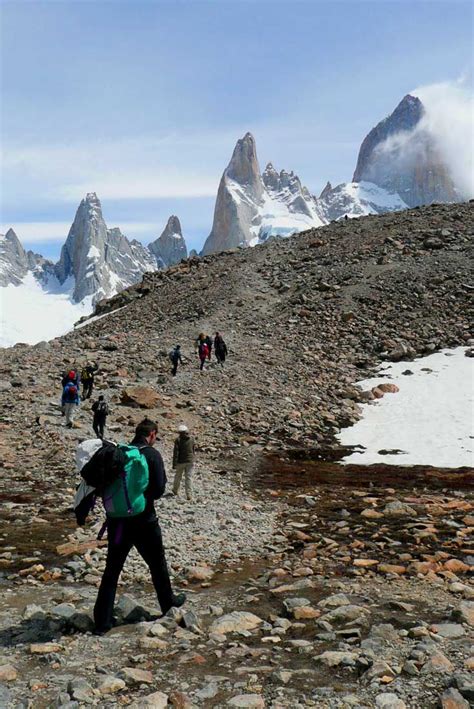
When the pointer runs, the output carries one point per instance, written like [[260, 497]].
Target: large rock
[[452, 699], [140, 397]]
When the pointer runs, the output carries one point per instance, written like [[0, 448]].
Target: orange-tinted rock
[[140, 397], [392, 569], [388, 388], [371, 514], [456, 566], [365, 563]]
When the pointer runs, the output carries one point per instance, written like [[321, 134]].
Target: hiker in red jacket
[[203, 353]]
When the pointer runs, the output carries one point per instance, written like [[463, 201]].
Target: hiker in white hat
[[183, 461]]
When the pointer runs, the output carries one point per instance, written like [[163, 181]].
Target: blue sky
[[143, 102]]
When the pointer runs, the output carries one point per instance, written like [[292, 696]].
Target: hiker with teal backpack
[[129, 478]]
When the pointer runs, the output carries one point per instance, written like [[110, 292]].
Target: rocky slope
[[311, 584], [401, 156]]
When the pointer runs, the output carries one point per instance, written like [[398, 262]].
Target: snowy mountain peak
[[327, 189], [13, 264], [170, 247], [100, 261], [251, 207], [243, 167], [400, 155]]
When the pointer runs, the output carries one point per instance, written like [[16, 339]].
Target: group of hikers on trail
[[128, 479], [70, 398], [203, 346]]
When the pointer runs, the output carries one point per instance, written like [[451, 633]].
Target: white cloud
[[449, 119], [125, 186], [40, 232], [173, 166]]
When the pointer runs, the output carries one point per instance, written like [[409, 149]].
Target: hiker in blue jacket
[[69, 401], [141, 531]]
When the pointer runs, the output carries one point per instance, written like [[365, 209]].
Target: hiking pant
[[87, 387], [98, 425], [187, 469], [145, 536], [220, 356], [203, 359], [69, 411], [175, 368]]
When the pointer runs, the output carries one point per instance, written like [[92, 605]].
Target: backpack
[[120, 475], [174, 356], [85, 374], [84, 499], [70, 391], [101, 408]]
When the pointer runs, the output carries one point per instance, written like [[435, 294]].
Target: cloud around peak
[[449, 119]]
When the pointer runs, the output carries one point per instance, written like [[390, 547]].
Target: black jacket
[[157, 476]]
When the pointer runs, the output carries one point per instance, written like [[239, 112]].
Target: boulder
[[452, 699], [140, 397]]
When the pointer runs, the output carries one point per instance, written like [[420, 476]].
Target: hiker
[[183, 460], [220, 348], [72, 375], [101, 411], [208, 341], [69, 400], [176, 358], [141, 531], [199, 340], [203, 353], [87, 377]]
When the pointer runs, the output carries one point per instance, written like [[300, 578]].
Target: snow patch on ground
[[32, 312], [430, 419]]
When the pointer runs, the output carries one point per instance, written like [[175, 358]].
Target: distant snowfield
[[31, 313], [430, 419]]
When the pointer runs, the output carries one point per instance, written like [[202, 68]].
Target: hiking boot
[[177, 601]]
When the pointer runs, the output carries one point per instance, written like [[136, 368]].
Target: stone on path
[[333, 658], [200, 573], [235, 622], [44, 648], [8, 673], [252, 701], [389, 700], [449, 630], [156, 700], [133, 675], [398, 509], [465, 612], [111, 685], [452, 699]]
